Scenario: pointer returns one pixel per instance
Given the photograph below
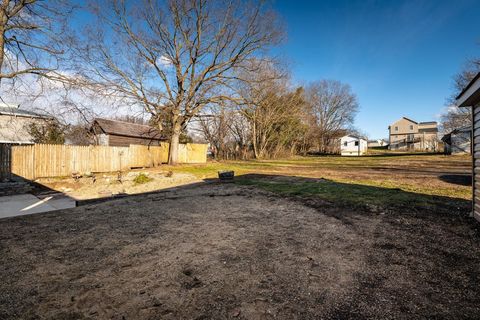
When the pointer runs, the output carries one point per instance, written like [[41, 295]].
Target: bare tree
[[227, 131], [215, 129], [79, 134], [463, 78], [131, 119], [333, 108], [29, 36], [173, 57], [455, 117], [273, 110]]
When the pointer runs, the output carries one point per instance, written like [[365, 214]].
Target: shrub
[[142, 178]]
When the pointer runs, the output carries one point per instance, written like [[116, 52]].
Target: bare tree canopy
[[455, 117], [333, 108], [272, 109], [463, 78], [29, 36], [175, 56]]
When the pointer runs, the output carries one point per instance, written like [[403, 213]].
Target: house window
[[396, 128], [345, 143], [411, 127], [356, 143]]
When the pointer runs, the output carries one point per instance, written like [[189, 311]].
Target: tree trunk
[[254, 140], [174, 143], [3, 22]]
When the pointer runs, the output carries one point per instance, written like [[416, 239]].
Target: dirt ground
[[103, 185], [224, 251]]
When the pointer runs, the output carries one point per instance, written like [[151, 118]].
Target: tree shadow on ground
[[379, 154], [402, 154], [320, 192], [365, 197], [330, 196], [460, 179]]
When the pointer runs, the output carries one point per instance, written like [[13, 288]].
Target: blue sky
[[398, 56]]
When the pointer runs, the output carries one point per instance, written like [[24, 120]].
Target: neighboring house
[[377, 143], [470, 97], [351, 145], [458, 141], [15, 123], [122, 134], [406, 134]]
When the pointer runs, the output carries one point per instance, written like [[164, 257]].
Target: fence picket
[[47, 160]]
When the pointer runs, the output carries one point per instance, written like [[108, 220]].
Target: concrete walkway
[[23, 204]]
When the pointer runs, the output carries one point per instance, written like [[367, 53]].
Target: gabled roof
[[409, 120], [128, 129], [428, 122], [14, 110]]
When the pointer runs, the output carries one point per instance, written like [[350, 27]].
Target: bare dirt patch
[[107, 184], [219, 251]]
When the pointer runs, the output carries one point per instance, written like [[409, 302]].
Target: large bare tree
[[174, 56], [30, 33], [333, 108], [454, 117]]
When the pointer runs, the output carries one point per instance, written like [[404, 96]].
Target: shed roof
[[128, 129], [471, 94], [353, 136], [462, 129]]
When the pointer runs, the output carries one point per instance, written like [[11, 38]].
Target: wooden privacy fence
[[47, 160], [5, 161]]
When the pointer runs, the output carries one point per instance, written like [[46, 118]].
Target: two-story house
[[406, 134]]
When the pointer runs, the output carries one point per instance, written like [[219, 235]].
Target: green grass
[[142, 178], [350, 180], [352, 195]]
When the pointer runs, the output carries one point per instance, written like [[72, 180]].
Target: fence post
[[34, 165], [5, 162]]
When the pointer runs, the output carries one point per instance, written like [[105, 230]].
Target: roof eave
[[470, 95], [410, 120], [136, 136], [39, 116]]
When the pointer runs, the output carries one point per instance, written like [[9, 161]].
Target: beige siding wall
[[427, 126], [15, 129], [403, 126]]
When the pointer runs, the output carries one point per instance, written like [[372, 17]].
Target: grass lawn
[[384, 180]]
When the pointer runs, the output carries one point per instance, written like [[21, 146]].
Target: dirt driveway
[[217, 251]]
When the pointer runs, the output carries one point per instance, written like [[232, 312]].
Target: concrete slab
[[23, 204]]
